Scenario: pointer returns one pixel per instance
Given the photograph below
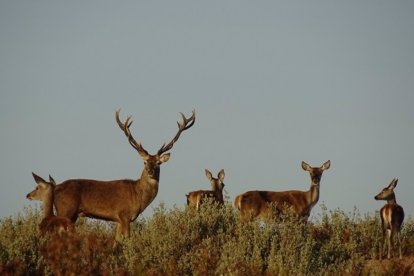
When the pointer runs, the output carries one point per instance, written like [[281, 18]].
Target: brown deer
[[392, 217], [196, 198], [120, 201], [262, 203], [44, 192]]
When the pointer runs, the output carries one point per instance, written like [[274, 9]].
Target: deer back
[[254, 203], [102, 199], [297, 201], [251, 204]]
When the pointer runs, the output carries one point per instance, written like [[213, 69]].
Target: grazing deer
[[261, 203], [196, 198], [44, 192], [120, 201], [392, 217]]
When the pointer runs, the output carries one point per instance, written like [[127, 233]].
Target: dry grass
[[181, 241]]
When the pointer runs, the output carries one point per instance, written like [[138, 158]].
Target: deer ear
[[37, 178], [326, 165], [305, 166], [393, 184], [209, 175], [51, 180], [164, 158], [221, 175]]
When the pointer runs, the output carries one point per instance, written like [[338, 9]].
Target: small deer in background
[[44, 192], [392, 217], [196, 198], [261, 203], [123, 200]]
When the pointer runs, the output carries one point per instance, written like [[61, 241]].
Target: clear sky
[[272, 82]]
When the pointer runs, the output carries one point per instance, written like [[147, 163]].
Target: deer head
[[388, 192], [216, 183], [316, 172], [43, 188], [152, 162]]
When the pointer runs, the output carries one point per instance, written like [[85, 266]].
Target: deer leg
[[389, 242], [397, 233], [122, 229], [399, 245], [125, 229], [383, 246], [117, 231], [383, 242]]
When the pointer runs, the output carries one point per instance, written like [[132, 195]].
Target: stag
[[262, 203], [196, 198], [392, 217], [120, 201], [44, 192]]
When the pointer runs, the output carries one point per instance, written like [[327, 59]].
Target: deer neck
[[392, 200], [148, 186], [313, 194], [219, 195], [48, 203]]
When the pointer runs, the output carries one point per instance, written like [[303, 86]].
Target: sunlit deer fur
[[44, 192], [392, 217], [120, 201], [266, 203], [196, 198]]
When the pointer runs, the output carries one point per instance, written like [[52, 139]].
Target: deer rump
[[107, 200]]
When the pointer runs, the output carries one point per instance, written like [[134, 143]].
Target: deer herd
[[122, 201]]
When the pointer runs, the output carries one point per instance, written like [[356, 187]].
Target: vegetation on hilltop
[[211, 241]]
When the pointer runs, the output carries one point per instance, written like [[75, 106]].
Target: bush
[[210, 241], [20, 242]]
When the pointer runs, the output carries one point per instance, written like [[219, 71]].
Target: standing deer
[[392, 217], [196, 198], [261, 203], [44, 192], [120, 201]]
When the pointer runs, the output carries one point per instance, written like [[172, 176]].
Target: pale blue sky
[[272, 82]]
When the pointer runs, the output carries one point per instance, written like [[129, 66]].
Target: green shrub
[[210, 241], [20, 242]]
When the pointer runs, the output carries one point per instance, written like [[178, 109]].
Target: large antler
[[185, 124], [125, 127]]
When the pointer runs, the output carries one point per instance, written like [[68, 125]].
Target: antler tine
[[185, 121], [184, 125], [125, 127]]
